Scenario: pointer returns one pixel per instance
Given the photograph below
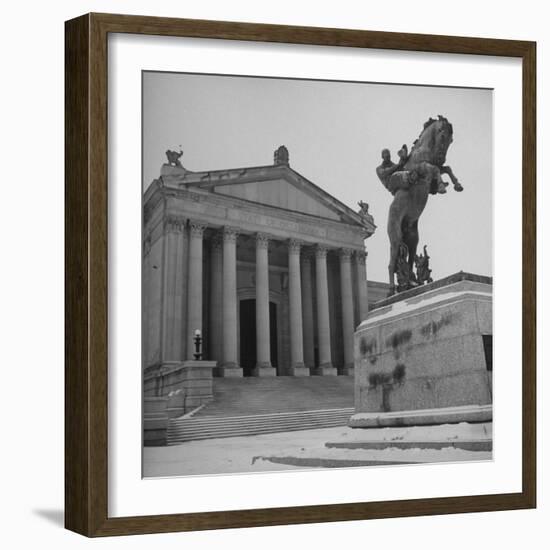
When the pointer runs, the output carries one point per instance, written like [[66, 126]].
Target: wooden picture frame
[[86, 283]]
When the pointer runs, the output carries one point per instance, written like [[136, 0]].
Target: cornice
[[225, 201]]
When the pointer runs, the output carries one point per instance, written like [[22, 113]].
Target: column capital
[[345, 254], [230, 234], [361, 254], [173, 224], [294, 246], [321, 251], [262, 240], [197, 228]]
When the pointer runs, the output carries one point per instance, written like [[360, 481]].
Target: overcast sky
[[334, 132]]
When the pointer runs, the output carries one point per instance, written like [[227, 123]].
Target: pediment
[[282, 187], [280, 194]]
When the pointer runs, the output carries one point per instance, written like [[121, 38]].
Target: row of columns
[[223, 288]]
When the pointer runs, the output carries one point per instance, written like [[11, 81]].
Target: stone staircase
[[253, 406]]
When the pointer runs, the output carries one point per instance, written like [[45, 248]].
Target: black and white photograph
[[317, 274], [255, 259]]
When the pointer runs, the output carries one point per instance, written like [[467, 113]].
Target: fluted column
[[307, 310], [323, 320], [216, 296], [362, 289], [229, 366], [194, 288], [297, 367], [346, 290], [263, 345]]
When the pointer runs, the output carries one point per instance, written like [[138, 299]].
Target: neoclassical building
[[269, 267]]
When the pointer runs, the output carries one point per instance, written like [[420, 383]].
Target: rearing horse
[[411, 182]]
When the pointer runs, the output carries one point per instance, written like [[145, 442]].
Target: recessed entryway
[[248, 335]]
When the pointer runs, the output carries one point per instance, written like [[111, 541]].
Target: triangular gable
[[280, 187], [280, 194]]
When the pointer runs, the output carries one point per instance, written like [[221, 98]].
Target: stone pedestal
[[172, 390], [425, 355], [186, 385], [197, 383], [155, 421]]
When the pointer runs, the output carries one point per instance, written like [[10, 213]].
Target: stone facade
[[269, 267]]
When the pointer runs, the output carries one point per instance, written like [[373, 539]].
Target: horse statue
[[411, 181]]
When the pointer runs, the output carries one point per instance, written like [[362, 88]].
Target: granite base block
[[426, 417], [426, 352]]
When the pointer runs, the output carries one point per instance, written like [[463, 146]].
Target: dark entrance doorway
[[248, 335]]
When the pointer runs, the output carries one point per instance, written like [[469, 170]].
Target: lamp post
[[198, 342]]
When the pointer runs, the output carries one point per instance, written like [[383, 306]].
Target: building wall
[[152, 294]]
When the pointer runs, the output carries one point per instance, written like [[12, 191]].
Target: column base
[[348, 370], [229, 370], [325, 370], [264, 370], [298, 370]]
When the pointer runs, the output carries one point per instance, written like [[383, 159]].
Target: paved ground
[[307, 449]]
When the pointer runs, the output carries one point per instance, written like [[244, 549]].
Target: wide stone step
[[182, 438], [189, 429], [246, 430], [270, 427], [253, 396], [255, 422], [270, 416]]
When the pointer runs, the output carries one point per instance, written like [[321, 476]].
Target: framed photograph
[[300, 275]]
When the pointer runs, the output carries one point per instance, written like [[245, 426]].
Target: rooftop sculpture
[[174, 158]]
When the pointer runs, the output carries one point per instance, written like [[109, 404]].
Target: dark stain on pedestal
[[399, 373], [399, 338], [367, 346], [388, 381], [430, 330]]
